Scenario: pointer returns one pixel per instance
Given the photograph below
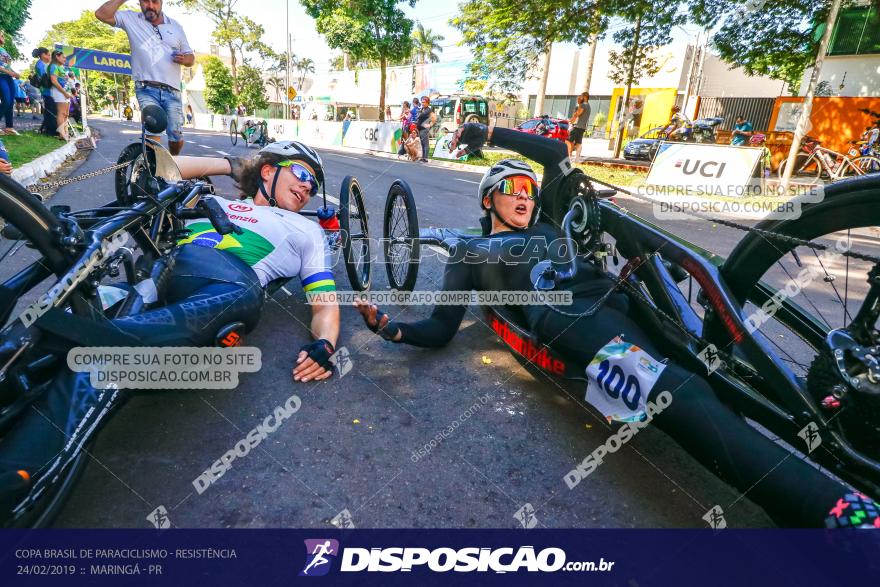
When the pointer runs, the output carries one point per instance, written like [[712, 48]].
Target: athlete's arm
[[436, 330], [193, 167]]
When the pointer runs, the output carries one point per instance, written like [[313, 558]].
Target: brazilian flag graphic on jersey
[[249, 246]]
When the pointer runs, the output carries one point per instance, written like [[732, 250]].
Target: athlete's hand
[[5, 167], [236, 166], [313, 362], [377, 320]]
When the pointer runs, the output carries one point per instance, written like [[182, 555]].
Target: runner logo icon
[[320, 553]]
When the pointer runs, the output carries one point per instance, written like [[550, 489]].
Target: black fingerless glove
[[320, 352], [390, 330], [237, 164], [473, 136]]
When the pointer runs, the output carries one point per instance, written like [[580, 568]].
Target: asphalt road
[[351, 445]]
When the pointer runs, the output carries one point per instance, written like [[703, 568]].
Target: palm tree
[[426, 45], [305, 67], [277, 84]]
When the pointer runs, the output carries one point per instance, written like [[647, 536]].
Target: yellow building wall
[[657, 103]]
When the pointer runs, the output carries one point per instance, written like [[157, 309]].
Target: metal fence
[[755, 110]]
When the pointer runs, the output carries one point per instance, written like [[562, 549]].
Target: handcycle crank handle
[[217, 215]]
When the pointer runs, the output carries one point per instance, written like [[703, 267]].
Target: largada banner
[[704, 168], [105, 61]]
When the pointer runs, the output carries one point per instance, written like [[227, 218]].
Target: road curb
[[32, 172]]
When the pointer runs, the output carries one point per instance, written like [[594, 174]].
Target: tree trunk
[[621, 127], [539, 99], [346, 61], [591, 57], [801, 128], [233, 69], [382, 63]]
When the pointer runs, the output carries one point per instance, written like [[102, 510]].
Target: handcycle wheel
[[400, 237], [233, 132], [355, 231], [831, 295], [806, 170], [128, 191], [24, 218]]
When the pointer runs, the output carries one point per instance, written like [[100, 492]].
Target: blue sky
[[434, 14]]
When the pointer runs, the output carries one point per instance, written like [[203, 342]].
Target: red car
[[558, 127]]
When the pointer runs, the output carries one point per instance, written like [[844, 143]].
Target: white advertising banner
[[703, 168], [441, 149], [374, 136]]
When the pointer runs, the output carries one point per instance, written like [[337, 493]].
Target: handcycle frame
[[153, 217], [776, 400]]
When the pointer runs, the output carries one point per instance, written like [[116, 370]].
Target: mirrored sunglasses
[[518, 184], [301, 173]]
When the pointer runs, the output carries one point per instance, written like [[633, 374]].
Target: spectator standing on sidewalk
[[414, 111], [50, 111], [427, 118], [60, 93], [158, 48], [579, 121], [7, 87], [405, 114]]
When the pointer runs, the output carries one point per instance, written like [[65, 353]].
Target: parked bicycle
[[816, 162]]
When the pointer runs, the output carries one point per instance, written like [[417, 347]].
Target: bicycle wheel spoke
[[834, 287]]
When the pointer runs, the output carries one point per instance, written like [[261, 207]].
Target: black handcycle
[[789, 320]]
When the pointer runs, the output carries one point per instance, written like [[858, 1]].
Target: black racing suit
[[206, 290], [792, 492]]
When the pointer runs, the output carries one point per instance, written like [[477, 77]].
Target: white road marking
[[223, 153], [465, 180], [345, 156]]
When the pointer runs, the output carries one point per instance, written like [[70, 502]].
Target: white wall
[[567, 72], [720, 80], [862, 75]]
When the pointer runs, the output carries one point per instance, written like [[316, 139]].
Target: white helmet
[[501, 170], [295, 150]]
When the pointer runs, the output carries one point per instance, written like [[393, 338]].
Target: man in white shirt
[[158, 49]]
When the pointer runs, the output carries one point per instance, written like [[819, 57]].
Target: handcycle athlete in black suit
[[793, 492]]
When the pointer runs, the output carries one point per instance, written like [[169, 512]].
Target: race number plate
[[619, 380]]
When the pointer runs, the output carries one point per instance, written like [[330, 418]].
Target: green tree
[[366, 29], [507, 37], [237, 33], [90, 33], [13, 15], [337, 63], [252, 91], [426, 44], [780, 40], [218, 86], [305, 66]]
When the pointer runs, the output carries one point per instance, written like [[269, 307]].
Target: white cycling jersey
[[276, 243]]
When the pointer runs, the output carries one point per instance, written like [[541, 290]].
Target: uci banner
[[96, 60], [704, 168]]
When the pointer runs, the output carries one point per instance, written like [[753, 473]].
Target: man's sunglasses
[[518, 184], [302, 174]]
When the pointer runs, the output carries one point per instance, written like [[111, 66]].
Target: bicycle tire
[[34, 221], [233, 132], [867, 164], [848, 204], [359, 273], [801, 172], [400, 194]]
